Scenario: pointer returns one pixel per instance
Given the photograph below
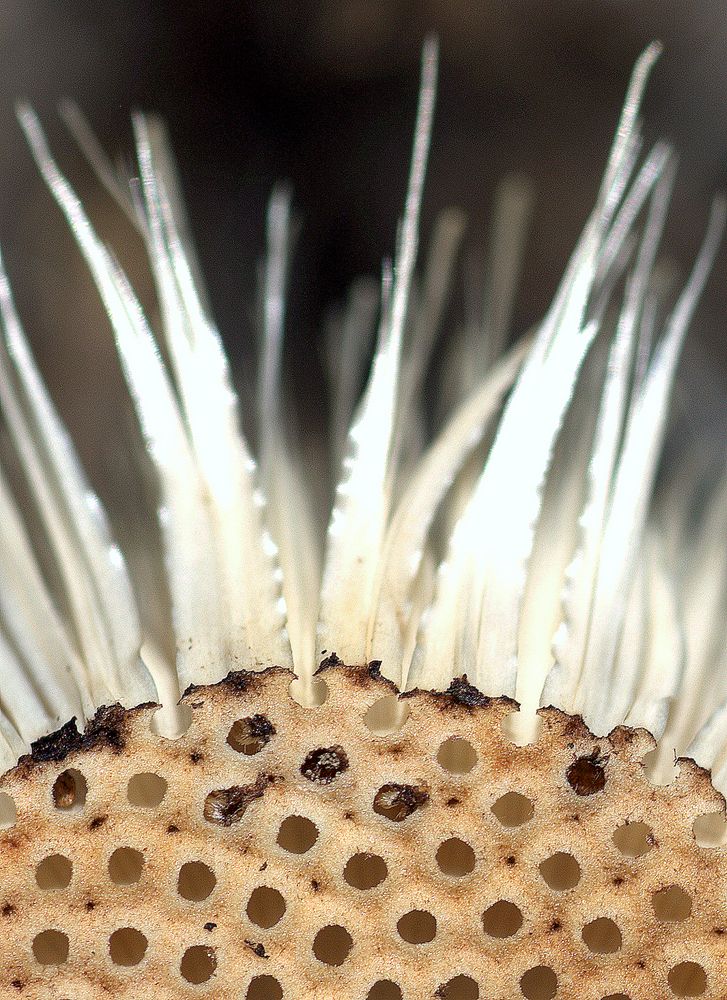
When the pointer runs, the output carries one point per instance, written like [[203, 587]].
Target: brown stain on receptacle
[[257, 948], [325, 764], [397, 802], [106, 730], [251, 734], [238, 682], [586, 775], [462, 692], [226, 806]]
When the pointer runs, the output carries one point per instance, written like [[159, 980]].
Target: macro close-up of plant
[[380, 662]]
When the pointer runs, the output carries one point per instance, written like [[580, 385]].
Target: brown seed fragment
[[64, 791], [226, 806], [396, 802], [324, 764], [586, 776], [248, 736]]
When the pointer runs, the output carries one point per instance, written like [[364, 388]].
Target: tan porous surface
[[549, 870]]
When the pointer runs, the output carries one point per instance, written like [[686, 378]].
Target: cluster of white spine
[[517, 544]]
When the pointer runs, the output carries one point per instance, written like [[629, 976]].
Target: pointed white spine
[[363, 499]]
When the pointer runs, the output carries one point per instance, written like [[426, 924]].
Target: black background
[[324, 94]]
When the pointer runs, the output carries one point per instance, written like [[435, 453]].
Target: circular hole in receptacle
[[8, 812], [70, 790], [539, 983], [617, 996], [146, 790], [125, 866], [709, 830], [385, 989], [513, 809], [198, 964], [671, 904], [171, 721], [332, 945], [660, 768], [633, 840], [455, 857], [502, 919], [266, 907], [602, 936], [297, 834], [264, 988], [459, 988], [195, 881], [249, 736], [365, 871], [457, 755], [50, 948], [325, 764], [586, 776], [127, 946], [54, 872], [417, 927], [397, 802], [560, 871], [309, 694], [687, 979], [387, 716], [522, 728]]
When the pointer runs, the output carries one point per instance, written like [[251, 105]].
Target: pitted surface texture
[[279, 851]]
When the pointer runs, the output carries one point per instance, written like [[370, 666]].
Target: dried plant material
[[391, 831], [396, 802], [226, 806], [221, 884], [325, 764], [544, 577]]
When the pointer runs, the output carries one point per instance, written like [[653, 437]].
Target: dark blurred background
[[323, 93]]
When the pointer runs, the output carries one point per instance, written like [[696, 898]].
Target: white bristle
[[504, 529]]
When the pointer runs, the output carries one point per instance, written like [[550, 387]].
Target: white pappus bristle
[[493, 516]]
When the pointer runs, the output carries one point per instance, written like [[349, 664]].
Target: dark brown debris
[[396, 802], [251, 734], [586, 776], [106, 729], [325, 764], [226, 806]]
